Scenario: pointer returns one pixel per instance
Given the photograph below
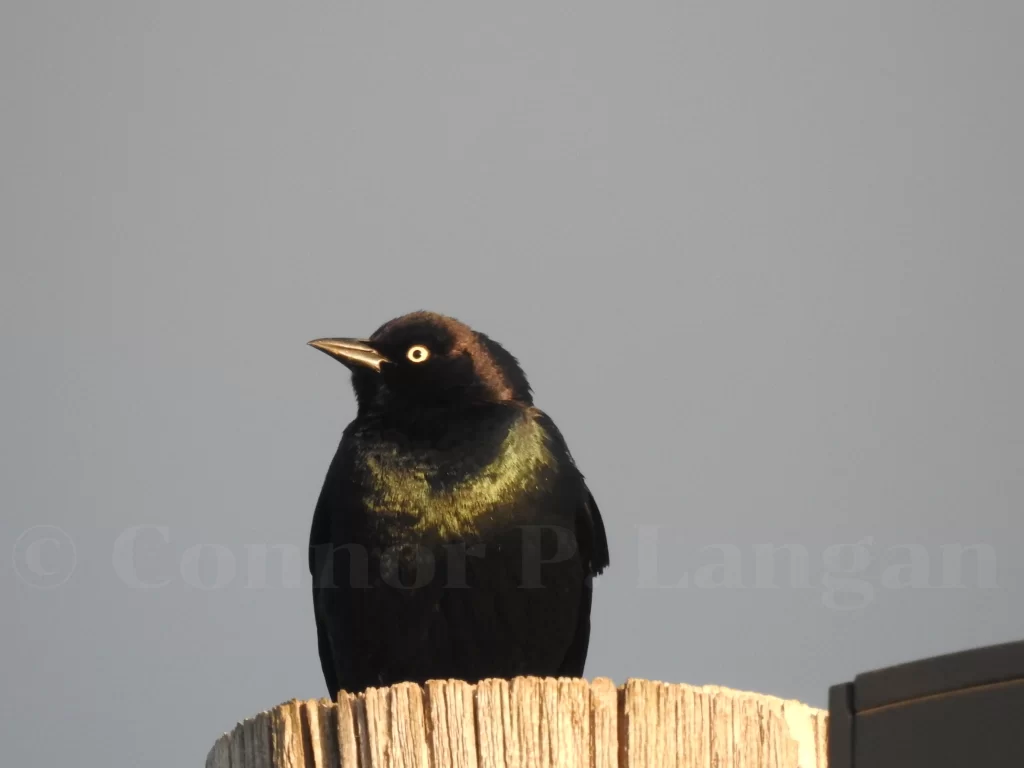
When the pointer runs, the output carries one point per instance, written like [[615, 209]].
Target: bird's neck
[[444, 423], [445, 476]]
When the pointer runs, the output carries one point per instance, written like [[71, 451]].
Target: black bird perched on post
[[454, 536]]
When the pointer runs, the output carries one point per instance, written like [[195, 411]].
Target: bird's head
[[424, 359]]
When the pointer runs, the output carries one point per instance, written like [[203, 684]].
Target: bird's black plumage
[[454, 536]]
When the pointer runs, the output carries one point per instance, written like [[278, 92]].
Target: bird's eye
[[417, 353]]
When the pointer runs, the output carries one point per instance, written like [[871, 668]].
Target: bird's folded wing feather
[[590, 534]]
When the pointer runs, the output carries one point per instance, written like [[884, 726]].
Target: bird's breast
[[452, 492]]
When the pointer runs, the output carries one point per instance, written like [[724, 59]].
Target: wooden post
[[531, 722]]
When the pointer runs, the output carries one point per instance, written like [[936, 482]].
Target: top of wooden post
[[531, 722]]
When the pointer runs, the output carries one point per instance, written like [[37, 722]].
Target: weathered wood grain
[[531, 722]]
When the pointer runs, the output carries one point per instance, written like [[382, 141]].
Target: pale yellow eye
[[417, 353]]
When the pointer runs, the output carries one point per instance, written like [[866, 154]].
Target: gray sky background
[[761, 261]]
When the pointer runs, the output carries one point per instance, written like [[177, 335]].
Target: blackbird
[[454, 536]]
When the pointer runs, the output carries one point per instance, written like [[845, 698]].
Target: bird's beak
[[351, 352]]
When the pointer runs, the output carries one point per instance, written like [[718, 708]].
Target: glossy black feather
[[396, 601]]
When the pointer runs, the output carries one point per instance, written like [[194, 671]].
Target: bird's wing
[[590, 533], [590, 525], [594, 549], [592, 543], [321, 567], [324, 647]]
